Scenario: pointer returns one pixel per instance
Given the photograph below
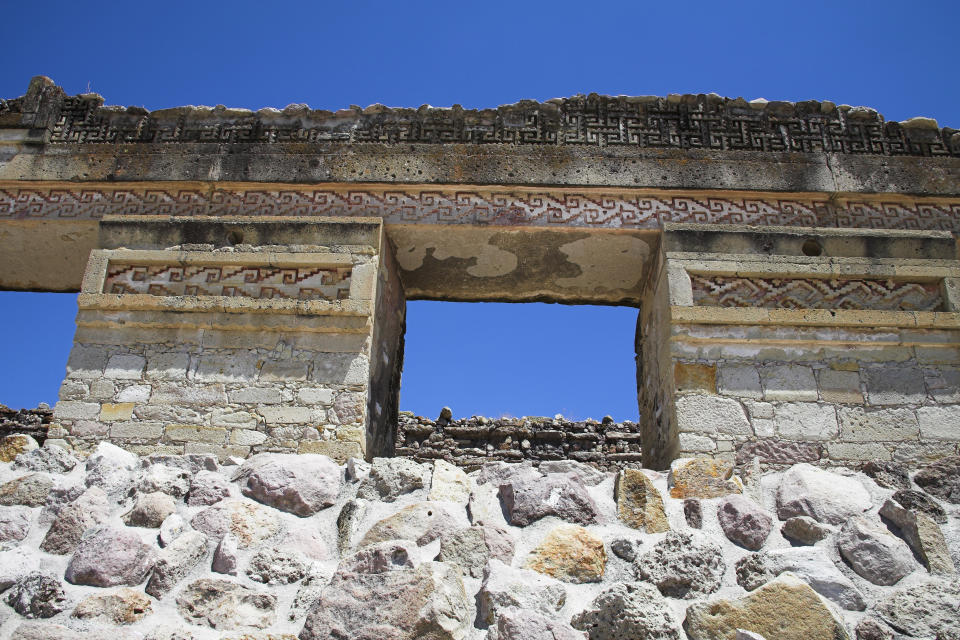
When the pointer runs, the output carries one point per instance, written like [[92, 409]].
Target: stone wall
[[473, 442], [279, 362], [170, 547], [753, 347]]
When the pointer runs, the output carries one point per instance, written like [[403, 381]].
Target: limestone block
[[894, 385], [134, 393], [711, 414], [182, 394], [227, 368], [73, 390], [944, 384], [74, 410], [858, 451], [86, 362], [939, 423], [860, 424], [247, 437], [283, 370], [226, 417], [692, 376], [742, 381], [102, 389], [788, 382], [286, 415], [195, 433], [315, 395], [841, 387], [806, 421], [255, 395], [696, 443], [110, 411], [168, 366], [125, 367], [340, 368]]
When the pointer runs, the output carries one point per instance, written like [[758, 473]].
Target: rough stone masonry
[[243, 275]]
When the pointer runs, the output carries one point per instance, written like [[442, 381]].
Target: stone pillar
[[800, 345], [237, 337]]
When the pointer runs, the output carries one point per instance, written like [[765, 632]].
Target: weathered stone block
[[806, 421], [779, 452], [125, 367], [692, 376], [286, 415], [711, 414], [227, 368], [693, 442], [73, 410], [861, 451], [894, 385], [859, 424], [226, 417], [86, 362], [788, 382], [341, 368], [102, 389], [255, 395], [281, 370], [247, 437], [939, 423], [315, 395], [134, 393], [842, 387], [195, 433], [116, 411], [180, 394], [168, 366], [944, 384], [742, 381], [136, 430], [73, 390]]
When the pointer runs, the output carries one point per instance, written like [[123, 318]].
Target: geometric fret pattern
[[693, 122], [323, 283], [815, 293], [613, 208]]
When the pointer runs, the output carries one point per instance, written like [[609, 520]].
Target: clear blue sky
[[900, 58]]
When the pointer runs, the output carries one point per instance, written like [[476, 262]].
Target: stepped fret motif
[[813, 293], [331, 283]]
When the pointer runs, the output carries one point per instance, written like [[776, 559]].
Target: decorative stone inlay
[[607, 208], [313, 283], [815, 293]]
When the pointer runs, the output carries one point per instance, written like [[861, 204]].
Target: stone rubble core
[[296, 546], [243, 275]]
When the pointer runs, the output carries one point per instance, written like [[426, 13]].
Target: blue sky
[[901, 59]]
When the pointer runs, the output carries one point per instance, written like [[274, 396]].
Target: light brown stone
[[569, 553], [703, 478], [121, 606], [785, 609], [13, 445], [695, 377], [116, 411], [639, 504]]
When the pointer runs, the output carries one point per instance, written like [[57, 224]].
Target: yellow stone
[[116, 411], [13, 445], [569, 553], [639, 504], [703, 478], [335, 449], [695, 377]]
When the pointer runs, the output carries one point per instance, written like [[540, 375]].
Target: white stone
[[858, 424], [825, 496], [255, 395], [226, 417], [788, 382], [227, 368], [742, 381], [168, 366], [286, 415], [125, 367], [247, 437], [696, 442], [449, 483], [315, 395], [939, 423], [711, 414], [73, 410], [134, 393], [806, 421]]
